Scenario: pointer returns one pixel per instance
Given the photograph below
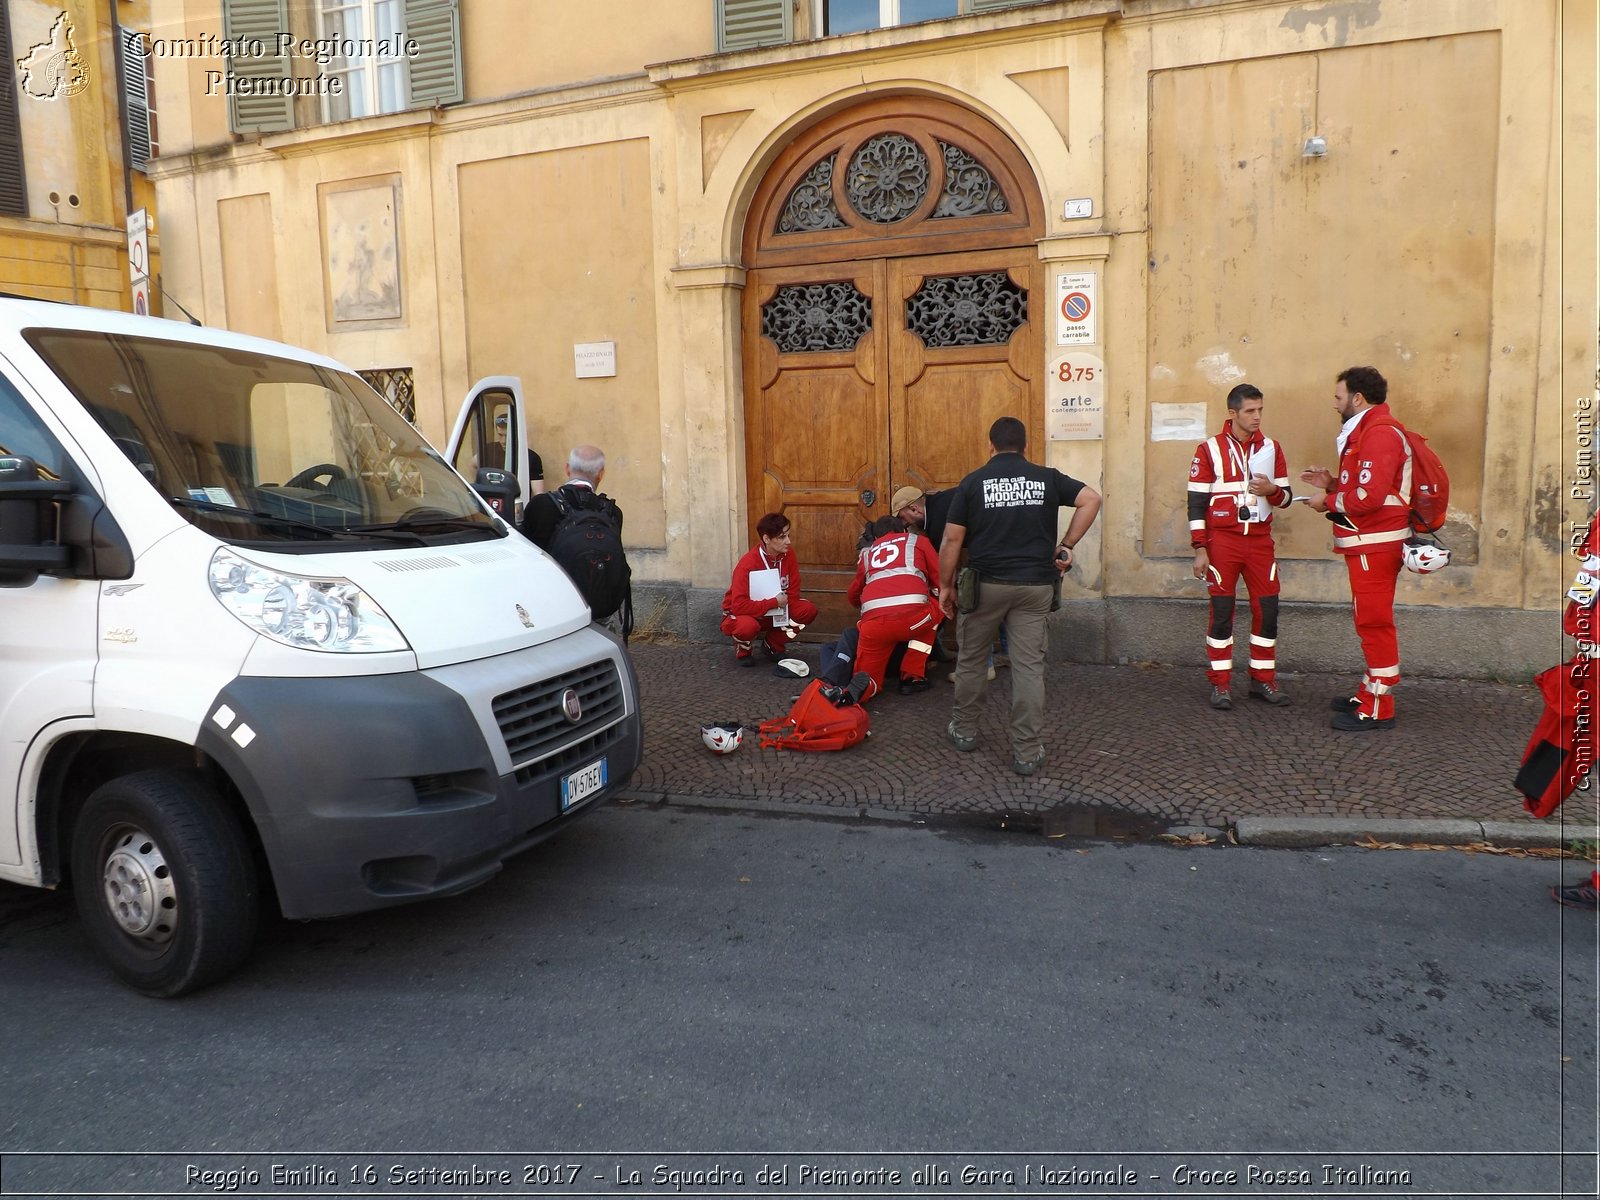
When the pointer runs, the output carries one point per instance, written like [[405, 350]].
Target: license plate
[[582, 784]]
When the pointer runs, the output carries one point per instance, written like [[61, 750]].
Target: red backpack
[[1430, 485], [817, 721]]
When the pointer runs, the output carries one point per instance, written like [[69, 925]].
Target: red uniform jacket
[[898, 569], [737, 599], [1579, 620], [1219, 485], [1371, 499]]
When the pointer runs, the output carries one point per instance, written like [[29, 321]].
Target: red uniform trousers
[[882, 629], [745, 630], [1373, 575], [1253, 556]]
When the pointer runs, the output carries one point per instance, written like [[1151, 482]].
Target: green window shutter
[[13, 182], [136, 98], [742, 24], [258, 21], [435, 25]]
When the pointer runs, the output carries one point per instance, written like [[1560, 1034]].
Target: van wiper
[[282, 522], [432, 519]]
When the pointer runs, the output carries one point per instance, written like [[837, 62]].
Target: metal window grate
[[396, 386]]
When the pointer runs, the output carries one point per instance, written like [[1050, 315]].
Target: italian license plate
[[582, 784]]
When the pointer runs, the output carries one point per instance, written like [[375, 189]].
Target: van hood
[[456, 603]]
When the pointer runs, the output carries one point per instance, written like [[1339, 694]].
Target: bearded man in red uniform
[[897, 589], [1236, 479], [779, 612], [1369, 503]]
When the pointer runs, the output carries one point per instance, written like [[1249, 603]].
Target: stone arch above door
[[891, 312]]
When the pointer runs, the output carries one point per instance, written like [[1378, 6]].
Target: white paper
[[765, 585]]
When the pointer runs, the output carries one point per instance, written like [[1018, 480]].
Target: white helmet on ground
[[1424, 557], [723, 737]]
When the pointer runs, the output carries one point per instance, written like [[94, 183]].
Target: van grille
[[536, 728]]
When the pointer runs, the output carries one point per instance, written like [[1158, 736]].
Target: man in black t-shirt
[[1005, 514]]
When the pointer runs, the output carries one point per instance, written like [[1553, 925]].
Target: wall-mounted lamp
[[1315, 147]]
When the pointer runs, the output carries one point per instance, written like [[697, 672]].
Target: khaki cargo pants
[[1023, 607]]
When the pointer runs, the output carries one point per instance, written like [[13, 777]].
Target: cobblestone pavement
[[1139, 739]]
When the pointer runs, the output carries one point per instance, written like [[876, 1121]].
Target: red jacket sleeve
[[1201, 477], [1280, 476], [859, 582], [737, 600], [1384, 448], [928, 563]]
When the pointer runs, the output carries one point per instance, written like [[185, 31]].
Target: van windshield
[[254, 448]]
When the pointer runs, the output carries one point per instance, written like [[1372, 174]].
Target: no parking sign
[[1075, 309]]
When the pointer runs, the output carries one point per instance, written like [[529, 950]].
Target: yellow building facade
[[75, 133], [830, 242]]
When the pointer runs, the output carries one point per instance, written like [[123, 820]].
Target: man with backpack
[[1369, 502], [581, 528]]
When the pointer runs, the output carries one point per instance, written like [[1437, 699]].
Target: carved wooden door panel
[[963, 352], [892, 261], [816, 416]]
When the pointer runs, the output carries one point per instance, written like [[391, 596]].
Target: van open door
[[491, 433]]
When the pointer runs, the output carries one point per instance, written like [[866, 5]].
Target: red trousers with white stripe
[[1373, 575], [1253, 556], [883, 629]]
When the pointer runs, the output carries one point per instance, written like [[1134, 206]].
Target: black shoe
[[1345, 703], [910, 687], [859, 683], [1027, 766], [1354, 722], [1221, 698], [1580, 895], [1270, 692], [744, 658]]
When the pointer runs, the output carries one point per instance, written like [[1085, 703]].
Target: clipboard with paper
[[766, 584]]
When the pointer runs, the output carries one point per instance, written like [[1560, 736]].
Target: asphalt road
[[666, 990]]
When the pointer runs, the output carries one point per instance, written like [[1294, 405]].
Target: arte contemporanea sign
[[1075, 392]]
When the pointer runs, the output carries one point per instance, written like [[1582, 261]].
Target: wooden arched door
[[891, 313]]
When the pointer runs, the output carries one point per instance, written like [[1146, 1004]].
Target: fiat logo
[[571, 706]]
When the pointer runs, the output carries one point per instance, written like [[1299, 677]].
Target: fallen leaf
[[744, 879]]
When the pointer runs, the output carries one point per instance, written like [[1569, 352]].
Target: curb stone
[[1281, 832], [1335, 831]]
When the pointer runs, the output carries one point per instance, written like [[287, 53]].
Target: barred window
[[395, 385]]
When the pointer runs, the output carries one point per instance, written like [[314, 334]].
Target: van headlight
[[306, 613]]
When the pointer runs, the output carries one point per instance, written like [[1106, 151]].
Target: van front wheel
[[164, 881]]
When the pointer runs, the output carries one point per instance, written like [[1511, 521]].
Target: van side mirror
[[500, 489], [30, 539]]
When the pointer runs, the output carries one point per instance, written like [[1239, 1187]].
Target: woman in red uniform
[[781, 612]]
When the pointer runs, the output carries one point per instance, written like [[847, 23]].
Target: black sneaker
[[1354, 722], [1345, 703], [1580, 895], [1270, 692], [1221, 698], [910, 687]]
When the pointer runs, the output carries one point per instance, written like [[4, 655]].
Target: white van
[[259, 641]]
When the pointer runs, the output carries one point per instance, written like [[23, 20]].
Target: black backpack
[[587, 542]]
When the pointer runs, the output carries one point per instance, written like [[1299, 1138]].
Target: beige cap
[[903, 497]]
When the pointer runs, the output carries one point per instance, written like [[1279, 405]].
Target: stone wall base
[[1446, 643]]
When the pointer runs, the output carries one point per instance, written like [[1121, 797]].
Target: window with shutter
[[261, 96], [743, 24], [13, 183], [136, 111], [435, 26]]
